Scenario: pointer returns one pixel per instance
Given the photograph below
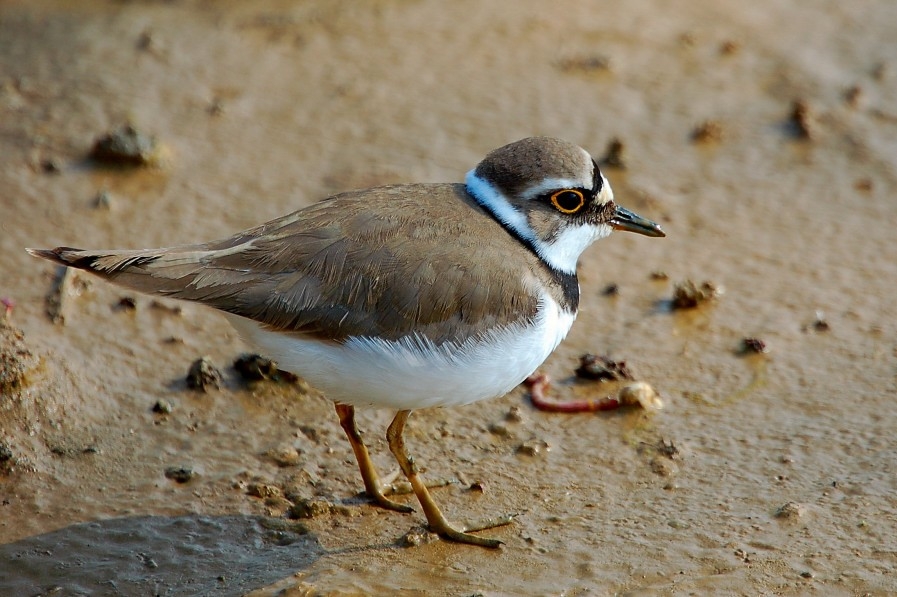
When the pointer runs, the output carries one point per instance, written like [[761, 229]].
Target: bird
[[404, 296]]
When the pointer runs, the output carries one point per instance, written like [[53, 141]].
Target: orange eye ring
[[568, 201]]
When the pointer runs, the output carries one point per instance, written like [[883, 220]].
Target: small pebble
[[615, 154], [419, 537], [585, 64], [802, 120], [203, 375], [285, 456], [854, 96], [642, 394], [729, 47], [277, 505], [688, 295], [50, 166], [499, 429], [162, 407], [126, 303], [666, 448], [126, 146], [514, 414], [254, 367], [162, 306], [708, 131], [601, 368], [16, 359], [263, 490], [687, 40], [753, 345], [180, 474], [791, 511], [215, 107], [310, 508], [662, 467], [821, 325], [533, 447], [864, 184], [103, 200]]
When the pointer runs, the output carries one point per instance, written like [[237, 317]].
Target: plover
[[404, 296]]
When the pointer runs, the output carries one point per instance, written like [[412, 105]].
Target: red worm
[[539, 384]]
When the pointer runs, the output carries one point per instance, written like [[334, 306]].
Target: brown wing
[[343, 268]]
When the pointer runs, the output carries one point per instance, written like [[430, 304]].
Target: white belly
[[411, 372]]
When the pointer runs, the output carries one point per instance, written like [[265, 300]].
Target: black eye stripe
[[597, 180]]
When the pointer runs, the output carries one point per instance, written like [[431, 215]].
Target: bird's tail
[[167, 272]]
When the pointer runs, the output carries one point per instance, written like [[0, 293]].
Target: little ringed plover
[[403, 296]]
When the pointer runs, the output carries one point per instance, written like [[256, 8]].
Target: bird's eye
[[568, 201]]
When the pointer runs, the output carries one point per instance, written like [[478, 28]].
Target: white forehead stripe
[[563, 252], [554, 184], [607, 193]]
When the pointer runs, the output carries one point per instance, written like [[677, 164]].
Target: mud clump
[[601, 368], [180, 474], [688, 295], [534, 447], [615, 154], [753, 346], [162, 407], [254, 367], [68, 285], [7, 459], [203, 375], [314, 507], [707, 132], [16, 360], [820, 324], [585, 64], [802, 120], [264, 490], [127, 146], [791, 511], [284, 456]]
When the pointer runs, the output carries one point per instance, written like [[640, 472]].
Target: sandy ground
[[768, 474]]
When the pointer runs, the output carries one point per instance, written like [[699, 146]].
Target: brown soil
[[765, 474]]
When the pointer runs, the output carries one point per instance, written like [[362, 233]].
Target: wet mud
[[761, 136]]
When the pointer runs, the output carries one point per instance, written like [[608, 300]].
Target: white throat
[[562, 252]]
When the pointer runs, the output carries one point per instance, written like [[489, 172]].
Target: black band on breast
[[568, 282]]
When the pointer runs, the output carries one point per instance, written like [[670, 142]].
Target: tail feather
[[167, 272], [105, 263]]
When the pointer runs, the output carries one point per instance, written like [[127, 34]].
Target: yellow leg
[[372, 485], [438, 523]]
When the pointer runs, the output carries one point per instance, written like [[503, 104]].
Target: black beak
[[626, 220]]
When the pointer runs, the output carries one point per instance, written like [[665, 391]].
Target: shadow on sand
[[156, 555]]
